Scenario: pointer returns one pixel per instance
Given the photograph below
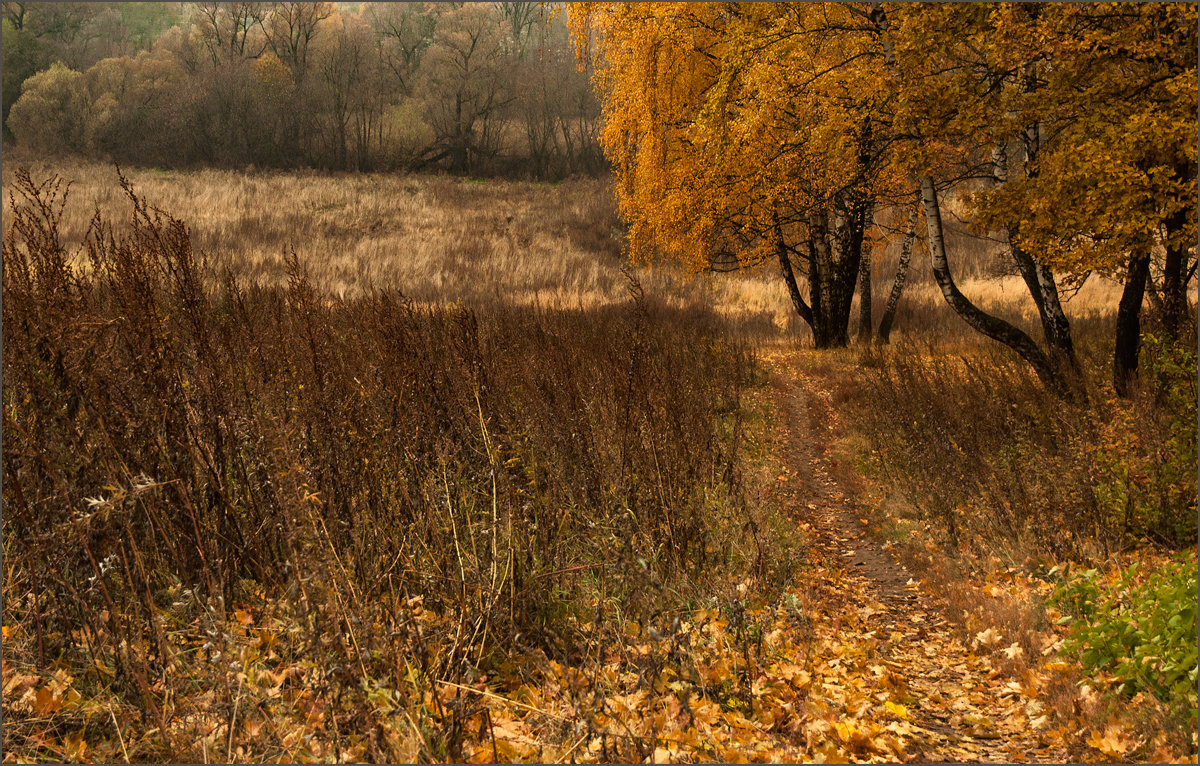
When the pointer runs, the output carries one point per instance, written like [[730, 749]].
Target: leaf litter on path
[[855, 665]]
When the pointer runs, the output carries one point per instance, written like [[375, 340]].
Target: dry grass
[[439, 239], [400, 497], [451, 386], [436, 239]]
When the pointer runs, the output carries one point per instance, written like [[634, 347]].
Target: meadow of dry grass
[[455, 437], [436, 239], [417, 493]]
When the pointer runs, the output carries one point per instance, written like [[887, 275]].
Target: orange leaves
[[718, 117], [1113, 129], [1113, 742], [43, 697], [45, 701]]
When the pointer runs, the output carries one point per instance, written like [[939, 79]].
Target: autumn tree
[[405, 32], [742, 132], [552, 99], [1115, 189], [347, 75], [139, 108], [1080, 120], [464, 84], [230, 30], [290, 28], [486, 87], [52, 113], [747, 133], [37, 34]]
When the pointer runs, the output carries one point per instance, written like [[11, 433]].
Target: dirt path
[[962, 709]]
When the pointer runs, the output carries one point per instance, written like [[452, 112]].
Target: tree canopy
[[743, 132]]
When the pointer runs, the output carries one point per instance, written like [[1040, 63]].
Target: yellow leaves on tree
[[723, 118], [739, 132]]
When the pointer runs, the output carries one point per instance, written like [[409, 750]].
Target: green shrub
[[1139, 626]]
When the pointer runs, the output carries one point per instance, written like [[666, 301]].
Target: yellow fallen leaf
[[74, 746], [1111, 743], [988, 638], [895, 709], [1013, 651]]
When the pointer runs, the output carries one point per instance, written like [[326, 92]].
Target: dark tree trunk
[[820, 279], [1039, 278], [789, 278], [991, 326], [833, 267], [864, 298], [893, 301], [1056, 328], [1174, 284], [1129, 328]]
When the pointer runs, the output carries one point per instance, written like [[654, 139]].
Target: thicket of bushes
[[474, 88]]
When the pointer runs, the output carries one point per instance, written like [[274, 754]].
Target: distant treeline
[[468, 87]]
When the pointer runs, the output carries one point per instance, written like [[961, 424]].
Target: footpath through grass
[[253, 522]]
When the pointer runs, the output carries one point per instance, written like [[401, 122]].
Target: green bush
[[1141, 627], [53, 111]]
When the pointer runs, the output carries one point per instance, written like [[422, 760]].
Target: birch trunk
[[864, 298], [991, 326], [893, 301], [1174, 283], [789, 278]]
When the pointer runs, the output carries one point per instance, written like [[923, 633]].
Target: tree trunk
[[833, 271], [893, 301], [1056, 328], [1129, 329], [1174, 287], [820, 278], [789, 278], [1039, 278], [864, 298], [820, 323], [991, 326]]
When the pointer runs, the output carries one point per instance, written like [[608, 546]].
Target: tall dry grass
[[412, 490], [439, 239], [968, 441]]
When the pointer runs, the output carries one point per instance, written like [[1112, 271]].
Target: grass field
[[440, 239], [436, 239], [263, 507]]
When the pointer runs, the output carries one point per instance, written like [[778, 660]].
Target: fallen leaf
[[46, 702], [988, 638]]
